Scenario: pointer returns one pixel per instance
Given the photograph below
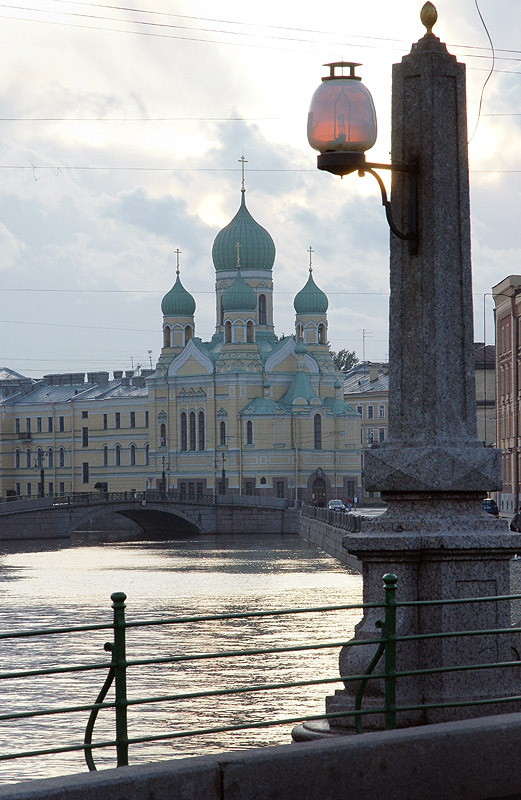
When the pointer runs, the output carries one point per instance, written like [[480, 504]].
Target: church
[[244, 413]]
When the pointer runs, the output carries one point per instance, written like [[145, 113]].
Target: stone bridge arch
[[152, 518]]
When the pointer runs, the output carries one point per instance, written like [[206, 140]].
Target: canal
[[57, 584]]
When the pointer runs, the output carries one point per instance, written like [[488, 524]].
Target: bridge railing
[[125, 668], [344, 520]]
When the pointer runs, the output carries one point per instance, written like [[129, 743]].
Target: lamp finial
[[428, 16]]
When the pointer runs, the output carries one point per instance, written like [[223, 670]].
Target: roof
[[310, 299], [239, 296], [484, 355], [178, 302], [262, 406], [358, 379]]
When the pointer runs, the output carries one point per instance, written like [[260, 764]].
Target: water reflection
[[54, 584]]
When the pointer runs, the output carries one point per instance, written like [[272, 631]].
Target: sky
[[121, 130]]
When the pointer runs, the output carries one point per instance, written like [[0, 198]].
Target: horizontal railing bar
[[54, 670], [462, 703], [51, 631], [251, 614], [455, 600], [452, 634], [46, 712]]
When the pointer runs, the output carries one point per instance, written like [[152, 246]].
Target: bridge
[[165, 514]]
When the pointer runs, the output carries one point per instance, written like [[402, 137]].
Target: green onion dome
[[310, 299], [300, 347], [257, 250], [239, 296], [178, 302]]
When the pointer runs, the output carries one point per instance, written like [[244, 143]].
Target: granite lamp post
[[432, 472]]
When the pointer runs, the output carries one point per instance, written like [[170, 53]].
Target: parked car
[[490, 506], [336, 505]]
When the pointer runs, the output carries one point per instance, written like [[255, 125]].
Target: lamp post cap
[[428, 16]]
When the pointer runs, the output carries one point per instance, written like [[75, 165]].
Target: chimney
[[373, 373]]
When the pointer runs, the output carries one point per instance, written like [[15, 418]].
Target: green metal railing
[[386, 645]]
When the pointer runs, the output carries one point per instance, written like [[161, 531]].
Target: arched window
[[262, 309], [162, 435], [117, 456], [188, 334], [184, 445], [39, 457], [50, 457], [222, 433], [228, 332], [147, 455], [201, 430], [249, 332], [321, 334], [105, 456], [132, 455], [221, 310], [249, 432], [28, 458], [17, 459], [61, 457], [192, 430], [166, 336], [300, 332], [317, 432]]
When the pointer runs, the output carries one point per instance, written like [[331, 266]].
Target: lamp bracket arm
[[412, 235]]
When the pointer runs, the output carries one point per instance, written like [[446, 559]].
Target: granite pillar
[[433, 472]]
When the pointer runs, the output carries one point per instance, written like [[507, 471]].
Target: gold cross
[[178, 253], [310, 251], [242, 161], [238, 246]]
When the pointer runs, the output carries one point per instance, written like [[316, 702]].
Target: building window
[[28, 458], [84, 437], [105, 421], [182, 489], [162, 435], [132, 419], [249, 432], [249, 332], [28, 425], [184, 439], [61, 424], [192, 430], [191, 492], [38, 424], [199, 490], [18, 489], [381, 411], [84, 414], [166, 336], [370, 412], [322, 334], [49, 425], [17, 459], [17, 425], [262, 309], [228, 333], [280, 488], [132, 455], [222, 433], [188, 334], [105, 456], [360, 410], [317, 432], [117, 419], [248, 485], [62, 488], [146, 419], [50, 457], [28, 490], [370, 436], [201, 431], [117, 456], [381, 434], [61, 457], [51, 489], [85, 472], [39, 457], [147, 455]]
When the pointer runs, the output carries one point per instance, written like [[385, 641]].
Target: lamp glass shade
[[342, 117]]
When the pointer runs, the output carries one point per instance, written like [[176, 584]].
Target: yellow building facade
[[244, 413]]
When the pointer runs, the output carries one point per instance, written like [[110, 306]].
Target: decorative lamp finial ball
[[428, 16]]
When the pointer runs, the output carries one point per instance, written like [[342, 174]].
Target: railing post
[[389, 634], [119, 661]]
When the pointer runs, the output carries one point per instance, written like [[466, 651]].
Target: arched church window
[[249, 432], [262, 309], [321, 334], [117, 456], [28, 458], [105, 456], [188, 333], [50, 457], [192, 430], [222, 433], [317, 432], [249, 332], [184, 439], [132, 455], [166, 336], [201, 430], [228, 332], [162, 435]]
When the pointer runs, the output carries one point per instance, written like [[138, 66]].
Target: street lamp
[[223, 474], [342, 126], [39, 464]]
